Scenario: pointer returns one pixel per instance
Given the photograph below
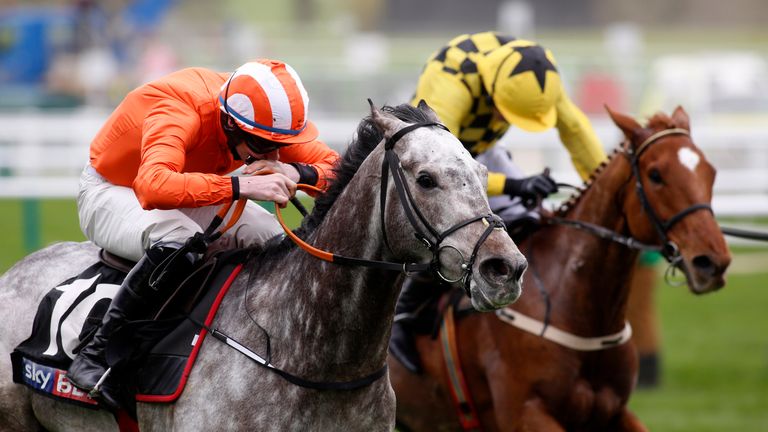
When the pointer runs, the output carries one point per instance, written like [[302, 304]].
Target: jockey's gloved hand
[[531, 190]]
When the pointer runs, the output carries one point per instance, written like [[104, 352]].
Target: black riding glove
[[531, 190]]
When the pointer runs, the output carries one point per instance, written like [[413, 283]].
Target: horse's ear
[[627, 124], [680, 117], [385, 122], [426, 109]]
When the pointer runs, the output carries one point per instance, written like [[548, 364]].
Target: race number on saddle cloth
[[71, 312]]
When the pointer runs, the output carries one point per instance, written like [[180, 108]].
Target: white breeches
[[112, 218]]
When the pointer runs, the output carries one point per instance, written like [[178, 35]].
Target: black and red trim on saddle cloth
[[166, 370], [69, 314]]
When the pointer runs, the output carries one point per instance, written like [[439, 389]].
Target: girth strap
[[457, 383], [293, 379]]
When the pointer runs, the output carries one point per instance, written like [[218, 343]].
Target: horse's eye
[[426, 181], [655, 176]]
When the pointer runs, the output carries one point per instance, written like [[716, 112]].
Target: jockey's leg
[[255, 227], [136, 299], [112, 218], [416, 293]]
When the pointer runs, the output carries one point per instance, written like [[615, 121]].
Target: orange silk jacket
[[165, 141]]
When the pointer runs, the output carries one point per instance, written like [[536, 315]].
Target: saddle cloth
[[70, 314]]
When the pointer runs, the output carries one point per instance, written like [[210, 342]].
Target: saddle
[[160, 351]]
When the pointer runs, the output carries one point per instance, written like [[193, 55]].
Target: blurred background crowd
[[707, 55]]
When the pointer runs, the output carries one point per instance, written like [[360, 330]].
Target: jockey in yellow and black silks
[[479, 85], [482, 83]]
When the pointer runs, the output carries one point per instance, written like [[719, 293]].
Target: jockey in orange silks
[[158, 170]]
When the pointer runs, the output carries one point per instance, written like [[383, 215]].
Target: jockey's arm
[[169, 129], [578, 137], [314, 162], [496, 182], [276, 188]]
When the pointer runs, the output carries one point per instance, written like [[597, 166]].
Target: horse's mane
[[659, 121], [367, 137], [574, 199]]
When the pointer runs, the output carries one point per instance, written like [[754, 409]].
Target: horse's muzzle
[[706, 273], [500, 282]]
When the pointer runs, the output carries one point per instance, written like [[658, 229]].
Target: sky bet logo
[[53, 381]]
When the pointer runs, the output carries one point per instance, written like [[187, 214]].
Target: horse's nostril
[[500, 270], [496, 270], [703, 263]]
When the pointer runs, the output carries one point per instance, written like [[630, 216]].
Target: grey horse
[[326, 322]]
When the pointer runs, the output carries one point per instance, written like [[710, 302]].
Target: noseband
[[669, 249], [433, 240]]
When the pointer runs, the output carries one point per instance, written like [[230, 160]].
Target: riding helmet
[[523, 82], [267, 99]]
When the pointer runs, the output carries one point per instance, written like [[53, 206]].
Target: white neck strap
[[561, 337]]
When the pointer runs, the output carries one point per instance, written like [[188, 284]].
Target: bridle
[[431, 238], [669, 250]]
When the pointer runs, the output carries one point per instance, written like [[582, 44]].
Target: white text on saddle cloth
[[53, 381]]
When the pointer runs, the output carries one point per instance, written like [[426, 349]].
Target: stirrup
[[96, 390]]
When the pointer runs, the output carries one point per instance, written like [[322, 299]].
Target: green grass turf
[[715, 347], [715, 359]]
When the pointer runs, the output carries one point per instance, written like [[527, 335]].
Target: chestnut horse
[[654, 190]]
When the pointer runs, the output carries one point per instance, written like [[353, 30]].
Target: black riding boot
[[135, 300], [414, 296]]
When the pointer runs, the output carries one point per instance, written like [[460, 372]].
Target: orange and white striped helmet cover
[[266, 98]]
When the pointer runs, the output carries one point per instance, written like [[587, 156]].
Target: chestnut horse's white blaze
[[689, 158]]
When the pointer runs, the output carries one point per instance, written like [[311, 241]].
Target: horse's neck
[[334, 319], [594, 273]]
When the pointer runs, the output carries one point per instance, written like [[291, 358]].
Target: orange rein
[[323, 255], [222, 213]]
